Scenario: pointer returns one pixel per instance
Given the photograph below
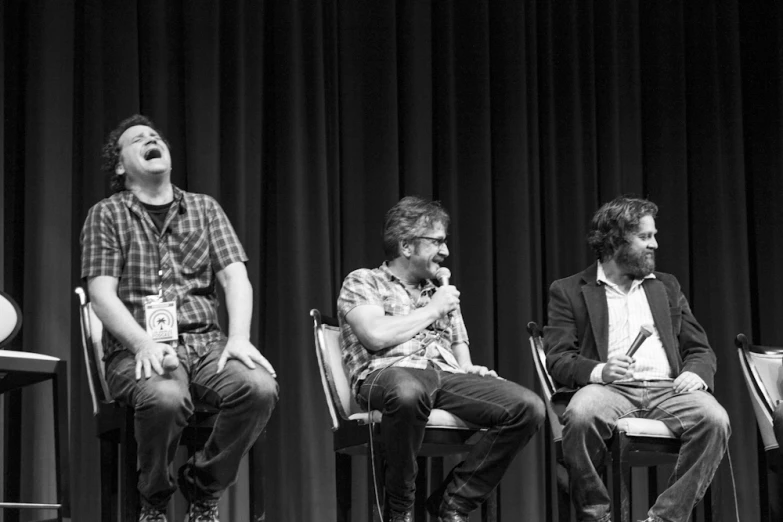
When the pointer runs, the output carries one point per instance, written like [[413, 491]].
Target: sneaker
[[398, 516], [200, 510], [151, 514], [203, 511]]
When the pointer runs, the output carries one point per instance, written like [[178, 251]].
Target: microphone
[[644, 332], [443, 275], [169, 363]]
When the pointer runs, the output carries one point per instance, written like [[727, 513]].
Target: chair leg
[[621, 479], [436, 479], [562, 486], [490, 511], [375, 487], [61, 453], [563, 505], [549, 462], [129, 475], [419, 511], [255, 461], [763, 464], [343, 486], [652, 486], [109, 476]]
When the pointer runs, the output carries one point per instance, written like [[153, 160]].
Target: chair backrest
[[334, 376], [92, 347], [762, 369], [10, 319], [545, 380]]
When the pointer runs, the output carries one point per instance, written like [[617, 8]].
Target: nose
[[444, 250], [653, 244]]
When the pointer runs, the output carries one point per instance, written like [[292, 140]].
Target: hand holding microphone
[[617, 367], [443, 275], [644, 332], [446, 297]]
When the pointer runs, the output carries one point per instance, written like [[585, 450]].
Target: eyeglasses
[[437, 241]]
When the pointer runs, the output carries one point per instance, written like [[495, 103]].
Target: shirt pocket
[[194, 250]]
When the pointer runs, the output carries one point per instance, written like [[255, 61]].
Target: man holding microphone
[[623, 338], [405, 344]]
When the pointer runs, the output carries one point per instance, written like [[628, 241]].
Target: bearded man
[[593, 319]]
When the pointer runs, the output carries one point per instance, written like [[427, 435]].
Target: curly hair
[[615, 221], [407, 219], [110, 154]]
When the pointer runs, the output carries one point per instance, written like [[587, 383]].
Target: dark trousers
[[162, 405], [405, 396]]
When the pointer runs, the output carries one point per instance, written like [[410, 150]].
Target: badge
[[161, 319]]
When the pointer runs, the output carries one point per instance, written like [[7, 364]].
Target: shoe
[[452, 515], [200, 510], [151, 514], [398, 516], [203, 510]]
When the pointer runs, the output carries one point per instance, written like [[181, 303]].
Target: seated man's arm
[[239, 304], [698, 359], [564, 361], [120, 322]]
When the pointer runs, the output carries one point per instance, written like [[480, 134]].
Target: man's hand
[[243, 350], [445, 300], [687, 382], [480, 370], [616, 368], [150, 356]]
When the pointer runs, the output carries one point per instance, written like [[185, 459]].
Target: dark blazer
[[576, 337]]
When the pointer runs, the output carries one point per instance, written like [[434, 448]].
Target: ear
[[406, 248], [120, 168]]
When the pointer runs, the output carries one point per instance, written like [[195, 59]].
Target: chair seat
[[635, 427], [27, 355], [438, 419]]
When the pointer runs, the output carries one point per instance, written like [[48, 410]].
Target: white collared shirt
[[627, 314]]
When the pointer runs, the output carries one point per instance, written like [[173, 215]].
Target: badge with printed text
[[161, 320]]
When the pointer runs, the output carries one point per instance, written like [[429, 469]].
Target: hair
[[111, 149], [615, 221], [407, 219]]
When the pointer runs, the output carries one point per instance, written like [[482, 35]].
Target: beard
[[637, 265]]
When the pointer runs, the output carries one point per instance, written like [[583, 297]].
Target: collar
[[130, 199], [426, 286]]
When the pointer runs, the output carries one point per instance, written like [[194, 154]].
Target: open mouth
[[153, 153]]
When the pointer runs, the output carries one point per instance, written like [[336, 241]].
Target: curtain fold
[[307, 120]]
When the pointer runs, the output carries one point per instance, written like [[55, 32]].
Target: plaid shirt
[[119, 239], [382, 288]]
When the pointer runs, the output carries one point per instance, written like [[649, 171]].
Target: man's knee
[[582, 415], [262, 389], [164, 397], [529, 407], [408, 400], [715, 416]]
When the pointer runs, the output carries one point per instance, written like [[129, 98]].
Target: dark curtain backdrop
[[308, 119]]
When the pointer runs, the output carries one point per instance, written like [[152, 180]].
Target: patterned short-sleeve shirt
[[120, 239], [382, 288]]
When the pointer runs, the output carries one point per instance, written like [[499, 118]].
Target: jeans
[[405, 396], [695, 417], [162, 405]]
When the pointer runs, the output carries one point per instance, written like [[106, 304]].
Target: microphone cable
[[370, 423]]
